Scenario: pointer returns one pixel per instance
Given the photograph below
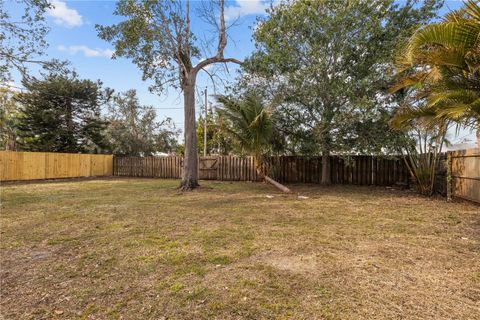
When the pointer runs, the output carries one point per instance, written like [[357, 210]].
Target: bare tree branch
[[222, 43]]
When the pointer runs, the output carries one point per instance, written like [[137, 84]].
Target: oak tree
[[326, 63]]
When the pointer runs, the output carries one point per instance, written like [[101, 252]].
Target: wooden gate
[[207, 168]]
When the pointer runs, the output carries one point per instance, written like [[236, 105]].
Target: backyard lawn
[[139, 249]]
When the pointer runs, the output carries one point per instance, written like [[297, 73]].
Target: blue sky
[[73, 37]]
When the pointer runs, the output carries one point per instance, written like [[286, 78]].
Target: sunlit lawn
[[138, 249]]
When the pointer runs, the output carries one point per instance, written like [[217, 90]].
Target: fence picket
[[359, 170]]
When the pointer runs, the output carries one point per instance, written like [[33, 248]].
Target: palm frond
[[472, 9], [442, 62], [460, 95], [248, 123]]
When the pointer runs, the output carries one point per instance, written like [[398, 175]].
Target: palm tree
[[248, 122], [441, 66]]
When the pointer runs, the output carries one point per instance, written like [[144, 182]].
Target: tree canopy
[[61, 112], [218, 141], [325, 66], [248, 122], [8, 119], [133, 129], [22, 39]]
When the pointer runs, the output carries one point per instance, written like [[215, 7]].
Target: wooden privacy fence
[[464, 173], [361, 170], [49, 165], [152, 167]]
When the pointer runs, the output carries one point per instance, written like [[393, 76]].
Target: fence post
[[449, 176]]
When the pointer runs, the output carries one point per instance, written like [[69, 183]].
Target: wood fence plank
[[49, 165], [362, 170]]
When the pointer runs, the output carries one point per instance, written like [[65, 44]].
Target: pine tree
[[61, 113]]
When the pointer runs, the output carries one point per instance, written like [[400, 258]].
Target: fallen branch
[[260, 171], [276, 184]]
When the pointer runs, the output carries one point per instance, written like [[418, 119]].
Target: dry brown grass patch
[[139, 249]]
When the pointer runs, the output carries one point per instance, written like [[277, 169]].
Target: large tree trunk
[[326, 143], [326, 176], [190, 175]]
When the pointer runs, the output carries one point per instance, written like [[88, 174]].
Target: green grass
[[138, 249]]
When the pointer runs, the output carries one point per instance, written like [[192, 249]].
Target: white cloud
[[11, 86], [245, 7], [87, 52], [63, 15]]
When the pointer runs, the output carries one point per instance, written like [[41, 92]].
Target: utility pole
[[205, 127]]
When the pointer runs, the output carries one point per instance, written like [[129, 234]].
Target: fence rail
[[49, 165], [360, 170]]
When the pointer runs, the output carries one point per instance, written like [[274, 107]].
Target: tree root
[[188, 185]]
